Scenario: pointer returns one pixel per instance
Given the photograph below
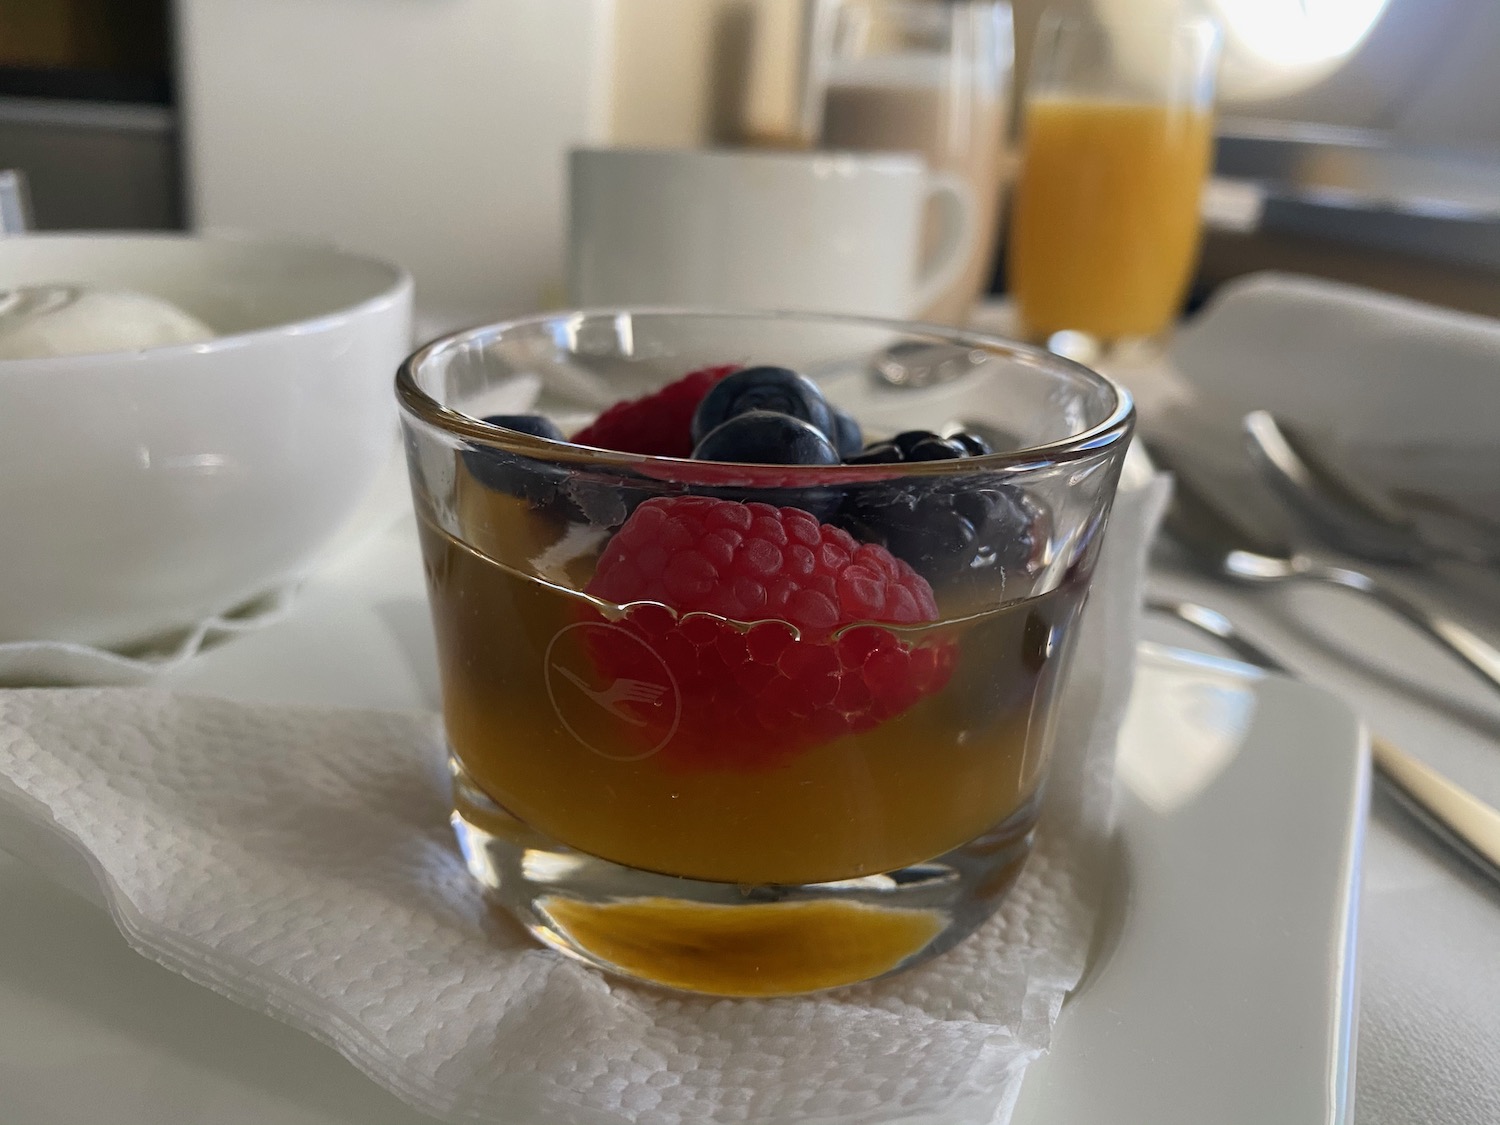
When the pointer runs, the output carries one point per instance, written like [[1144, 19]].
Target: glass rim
[[1096, 440]]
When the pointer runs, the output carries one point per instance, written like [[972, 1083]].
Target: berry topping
[[658, 424], [536, 482], [752, 692], [847, 434], [537, 425], [880, 453], [763, 438], [953, 533], [920, 445], [775, 389], [972, 444], [908, 439], [753, 562], [934, 449]]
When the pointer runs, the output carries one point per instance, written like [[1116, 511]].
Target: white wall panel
[[427, 131]]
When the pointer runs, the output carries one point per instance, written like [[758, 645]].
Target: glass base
[[726, 939]]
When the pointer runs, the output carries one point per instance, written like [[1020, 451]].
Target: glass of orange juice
[[1117, 141]]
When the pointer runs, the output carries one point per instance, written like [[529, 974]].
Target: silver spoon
[[1458, 817], [1341, 508], [922, 363], [926, 363], [1222, 546]]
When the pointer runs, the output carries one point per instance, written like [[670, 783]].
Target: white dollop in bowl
[[145, 490]]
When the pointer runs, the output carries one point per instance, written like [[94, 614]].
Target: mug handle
[[959, 224]]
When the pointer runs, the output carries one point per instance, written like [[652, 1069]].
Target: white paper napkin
[[1408, 392], [299, 861], [1358, 364]]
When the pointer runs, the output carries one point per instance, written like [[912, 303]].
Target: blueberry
[[972, 444], [846, 434], [921, 445], [908, 438], [761, 437], [537, 425], [880, 453], [949, 533], [934, 449], [773, 389], [536, 482]]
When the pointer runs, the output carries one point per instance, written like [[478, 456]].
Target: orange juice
[[1105, 228], [521, 658]]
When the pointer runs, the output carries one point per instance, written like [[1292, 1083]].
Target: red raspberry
[[658, 424], [750, 697]]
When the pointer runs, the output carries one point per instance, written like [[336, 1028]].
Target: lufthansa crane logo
[[594, 709]]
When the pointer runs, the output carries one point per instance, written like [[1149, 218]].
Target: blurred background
[[1356, 139]]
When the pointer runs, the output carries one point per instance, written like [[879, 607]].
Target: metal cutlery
[[1461, 819], [1340, 507], [917, 363], [1222, 546]]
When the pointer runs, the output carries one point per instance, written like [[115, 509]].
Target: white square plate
[[1223, 987], [1221, 990]]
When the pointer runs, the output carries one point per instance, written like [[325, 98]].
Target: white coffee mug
[[818, 231]]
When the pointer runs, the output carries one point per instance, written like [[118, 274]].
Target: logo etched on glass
[[592, 710]]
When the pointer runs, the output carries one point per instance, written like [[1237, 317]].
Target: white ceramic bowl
[[145, 490]]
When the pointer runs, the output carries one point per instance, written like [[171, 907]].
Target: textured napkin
[[1359, 365], [299, 861]]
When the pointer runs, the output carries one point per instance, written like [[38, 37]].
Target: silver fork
[[1464, 822], [623, 690], [1225, 546]]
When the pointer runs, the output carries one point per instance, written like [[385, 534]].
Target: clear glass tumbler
[[834, 784], [1117, 139]]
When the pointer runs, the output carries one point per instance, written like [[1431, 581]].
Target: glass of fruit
[[751, 657]]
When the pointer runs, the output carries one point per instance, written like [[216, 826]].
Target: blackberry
[[949, 533]]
